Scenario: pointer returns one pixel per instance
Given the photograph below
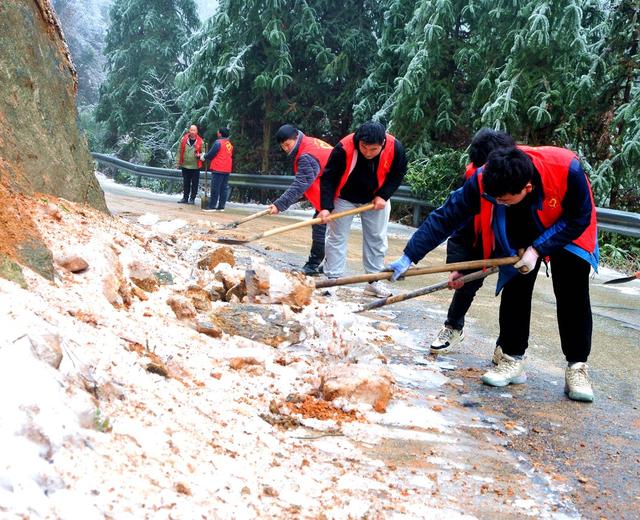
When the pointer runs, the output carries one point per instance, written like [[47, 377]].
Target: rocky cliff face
[[41, 149]]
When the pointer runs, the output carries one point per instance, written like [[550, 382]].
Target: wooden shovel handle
[[248, 218], [417, 271], [313, 221]]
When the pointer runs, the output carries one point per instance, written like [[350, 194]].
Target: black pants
[[219, 182], [190, 183], [461, 301], [570, 277], [318, 232]]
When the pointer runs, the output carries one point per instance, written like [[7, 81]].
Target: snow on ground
[[103, 435]]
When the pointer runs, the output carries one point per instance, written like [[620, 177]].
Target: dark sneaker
[[312, 269], [183, 201], [191, 201]]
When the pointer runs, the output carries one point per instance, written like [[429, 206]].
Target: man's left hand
[[528, 261], [273, 209], [379, 203]]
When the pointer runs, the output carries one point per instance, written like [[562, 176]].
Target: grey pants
[[374, 239]]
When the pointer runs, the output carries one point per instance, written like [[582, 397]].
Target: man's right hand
[[324, 215], [273, 209], [454, 281]]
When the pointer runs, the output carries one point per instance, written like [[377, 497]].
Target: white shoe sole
[[578, 396], [521, 379]]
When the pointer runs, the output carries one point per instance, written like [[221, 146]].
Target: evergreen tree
[[144, 49], [260, 63]]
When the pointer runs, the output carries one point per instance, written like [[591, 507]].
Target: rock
[[220, 255], [208, 328], [53, 211], [263, 323], [228, 276], [46, 347], [182, 307], [143, 276], [266, 285], [114, 286], [38, 105], [73, 263], [139, 293], [199, 297], [371, 384], [216, 290], [164, 277], [236, 293], [9, 270], [33, 253], [237, 363]]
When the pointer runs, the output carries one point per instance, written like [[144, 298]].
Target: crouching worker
[[538, 199], [309, 158]]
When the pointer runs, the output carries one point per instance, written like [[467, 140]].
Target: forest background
[[433, 71]]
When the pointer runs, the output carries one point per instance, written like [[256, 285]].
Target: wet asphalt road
[[592, 451]]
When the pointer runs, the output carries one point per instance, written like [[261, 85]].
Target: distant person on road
[[190, 163], [537, 199], [310, 156], [364, 167], [221, 156], [466, 244]]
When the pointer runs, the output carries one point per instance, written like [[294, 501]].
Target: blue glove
[[399, 267]]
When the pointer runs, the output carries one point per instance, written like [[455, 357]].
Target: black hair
[[486, 141], [507, 171], [224, 131], [371, 132], [286, 132]]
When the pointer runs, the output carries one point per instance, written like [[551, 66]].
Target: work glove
[[399, 267], [528, 261]]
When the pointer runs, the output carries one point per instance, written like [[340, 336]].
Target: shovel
[[623, 279], [290, 227], [424, 290], [417, 271], [236, 223]]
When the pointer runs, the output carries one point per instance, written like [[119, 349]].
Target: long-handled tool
[[424, 290], [623, 279], [290, 227], [417, 271], [236, 223]]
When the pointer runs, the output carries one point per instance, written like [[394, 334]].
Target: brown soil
[[317, 409], [16, 224]]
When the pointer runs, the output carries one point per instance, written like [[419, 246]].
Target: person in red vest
[[364, 167], [537, 199], [220, 160], [310, 156], [190, 163], [465, 245]]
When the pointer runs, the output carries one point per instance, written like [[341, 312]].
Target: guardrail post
[[139, 181], [417, 216]]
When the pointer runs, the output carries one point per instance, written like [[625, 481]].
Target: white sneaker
[[497, 355], [576, 383], [377, 289], [447, 338], [509, 371]]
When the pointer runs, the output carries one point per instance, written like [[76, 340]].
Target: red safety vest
[[384, 164], [223, 161], [320, 151], [198, 146], [553, 166]]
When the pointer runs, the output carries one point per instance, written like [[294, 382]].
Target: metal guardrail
[[610, 220]]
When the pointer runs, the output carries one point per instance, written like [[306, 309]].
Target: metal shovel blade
[[623, 279]]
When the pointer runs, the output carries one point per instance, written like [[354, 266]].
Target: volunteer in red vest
[[309, 158], [364, 167], [190, 163], [538, 199], [465, 244], [220, 160]]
